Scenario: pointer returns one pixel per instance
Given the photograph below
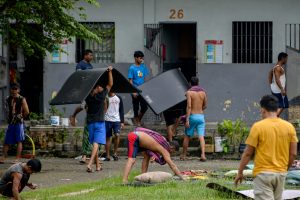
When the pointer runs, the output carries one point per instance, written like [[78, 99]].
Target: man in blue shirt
[[85, 63], [136, 74]]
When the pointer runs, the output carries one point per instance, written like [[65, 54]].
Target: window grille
[[252, 42], [292, 36], [104, 52]]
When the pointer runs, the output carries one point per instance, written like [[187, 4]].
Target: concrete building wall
[[234, 96], [233, 90], [214, 19], [293, 73], [129, 26]]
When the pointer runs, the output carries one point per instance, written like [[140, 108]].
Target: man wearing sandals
[[95, 119]]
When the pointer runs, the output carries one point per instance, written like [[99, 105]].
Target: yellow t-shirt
[[271, 139]]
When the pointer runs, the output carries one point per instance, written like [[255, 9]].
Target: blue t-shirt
[[137, 74], [82, 65]]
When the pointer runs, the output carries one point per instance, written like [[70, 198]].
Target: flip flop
[[89, 170], [203, 160], [82, 162]]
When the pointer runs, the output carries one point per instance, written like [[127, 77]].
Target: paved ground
[[58, 171]]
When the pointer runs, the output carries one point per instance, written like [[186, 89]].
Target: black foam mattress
[[80, 84], [165, 90]]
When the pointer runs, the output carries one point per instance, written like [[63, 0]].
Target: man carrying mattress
[[153, 146]]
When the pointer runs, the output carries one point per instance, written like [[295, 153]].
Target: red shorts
[[133, 144]]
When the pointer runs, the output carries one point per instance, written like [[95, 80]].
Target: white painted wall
[[214, 20], [129, 25]]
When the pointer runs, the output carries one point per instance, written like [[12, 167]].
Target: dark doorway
[[32, 83], [180, 41], [28, 72]]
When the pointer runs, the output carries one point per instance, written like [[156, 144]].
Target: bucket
[[65, 121], [54, 120], [218, 144]]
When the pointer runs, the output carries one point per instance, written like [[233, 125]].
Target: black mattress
[[165, 90], [80, 84]]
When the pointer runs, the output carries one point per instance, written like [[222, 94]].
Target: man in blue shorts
[[17, 110], [196, 104], [95, 118], [277, 80]]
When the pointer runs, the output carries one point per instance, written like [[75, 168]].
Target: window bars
[[152, 37], [104, 52], [292, 36], [252, 42]]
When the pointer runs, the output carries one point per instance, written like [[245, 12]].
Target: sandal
[[203, 159], [89, 170], [82, 161]]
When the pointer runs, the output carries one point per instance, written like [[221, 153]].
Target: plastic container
[[54, 120], [218, 144], [65, 121]]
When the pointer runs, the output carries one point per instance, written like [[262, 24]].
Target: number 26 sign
[[176, 14]]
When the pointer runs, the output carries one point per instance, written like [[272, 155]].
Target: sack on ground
[[153, 177], [246, 173]]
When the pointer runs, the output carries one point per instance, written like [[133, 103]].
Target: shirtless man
[[196, 104], [153, 146], [277, 80]]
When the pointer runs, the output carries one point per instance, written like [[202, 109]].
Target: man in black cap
[[17, 109]]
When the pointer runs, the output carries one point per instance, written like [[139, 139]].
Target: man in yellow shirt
[[274, 143]]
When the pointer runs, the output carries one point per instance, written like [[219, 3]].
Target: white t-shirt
[[113, 113]]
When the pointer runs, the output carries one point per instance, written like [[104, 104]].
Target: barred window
[[104, 52], [252, 42]]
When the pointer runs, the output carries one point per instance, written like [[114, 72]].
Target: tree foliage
[[38, 25]]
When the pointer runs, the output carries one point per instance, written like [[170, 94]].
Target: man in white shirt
[[114, 122], [277, 80]]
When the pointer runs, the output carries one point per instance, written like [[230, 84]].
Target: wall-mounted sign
[[60, 55], [213, 51]]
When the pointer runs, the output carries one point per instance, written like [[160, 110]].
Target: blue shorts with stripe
[[14, 134]]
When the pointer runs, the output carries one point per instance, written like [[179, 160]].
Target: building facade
[[231, 45]]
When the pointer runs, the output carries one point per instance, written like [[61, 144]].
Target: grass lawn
[[113, 189]]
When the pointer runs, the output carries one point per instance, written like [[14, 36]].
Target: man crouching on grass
[[153, 146], [274, 142], [16, 178]]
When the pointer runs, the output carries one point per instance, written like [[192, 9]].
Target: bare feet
[[98, 169], [182, 157], [203, 159]]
